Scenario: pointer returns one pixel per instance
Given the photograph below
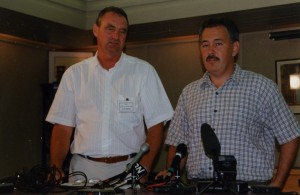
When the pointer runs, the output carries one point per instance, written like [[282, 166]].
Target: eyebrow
[[218, 39], [111, 25]]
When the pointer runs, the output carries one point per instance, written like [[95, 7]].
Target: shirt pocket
[[128, 109]]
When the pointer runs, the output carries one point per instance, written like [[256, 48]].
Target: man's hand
[[161, 175], [55, 176]]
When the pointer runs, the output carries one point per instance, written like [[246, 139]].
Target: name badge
[[126, 106]]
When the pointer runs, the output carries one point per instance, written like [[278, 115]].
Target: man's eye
[[204, 45], [110, 28], [123, 31], [219, 43]]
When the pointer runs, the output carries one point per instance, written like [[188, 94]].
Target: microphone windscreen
[[182, 149], [145, 147], [210, 141]]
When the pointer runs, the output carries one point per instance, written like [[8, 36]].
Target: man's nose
[[211, 49], [116, 35]]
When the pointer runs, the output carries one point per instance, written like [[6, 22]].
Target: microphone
[[181, 151], [132, 164], [210, 141], [143, 150], [224, 165], [139, 171]]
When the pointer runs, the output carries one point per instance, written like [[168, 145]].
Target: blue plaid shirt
[[247, 113]]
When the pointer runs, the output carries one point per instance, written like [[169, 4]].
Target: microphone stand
[[215, 181], [215, 167], [133, 180], [177, 176]]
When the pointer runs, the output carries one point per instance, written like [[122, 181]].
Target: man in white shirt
[[107, 100]]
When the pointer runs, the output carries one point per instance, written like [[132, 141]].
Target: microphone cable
[[173, 185], [43, 179]]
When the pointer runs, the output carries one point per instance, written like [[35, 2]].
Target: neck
[[219, 79], [218, 82], [108, 62]]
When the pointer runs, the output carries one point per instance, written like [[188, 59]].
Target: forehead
[[114, 18], [216, 32]]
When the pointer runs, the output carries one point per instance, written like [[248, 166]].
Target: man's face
[[217, 51], [111, 34]]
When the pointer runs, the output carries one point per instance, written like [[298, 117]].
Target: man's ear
[[236, 48], [95, 30]]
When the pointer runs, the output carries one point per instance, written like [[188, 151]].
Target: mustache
[[114, 41], [212, 57]]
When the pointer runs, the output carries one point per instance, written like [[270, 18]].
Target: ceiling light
[[282, 35]]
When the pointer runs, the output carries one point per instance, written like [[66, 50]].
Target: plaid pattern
[[247, 113]]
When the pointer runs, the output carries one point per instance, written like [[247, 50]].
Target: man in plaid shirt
[[245, 110]]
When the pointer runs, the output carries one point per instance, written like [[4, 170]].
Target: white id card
[[126, 106]]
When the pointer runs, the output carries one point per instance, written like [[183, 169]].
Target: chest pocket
[[128, 109]]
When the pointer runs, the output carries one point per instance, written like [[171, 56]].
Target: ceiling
[[82, 13]]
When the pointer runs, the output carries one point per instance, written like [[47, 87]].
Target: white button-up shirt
[[108, 108]]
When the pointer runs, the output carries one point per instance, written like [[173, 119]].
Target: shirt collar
[[235, 77], [117, 65]]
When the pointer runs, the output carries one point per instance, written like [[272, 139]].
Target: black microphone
[[181, 151], [210, 141], [224, 165]]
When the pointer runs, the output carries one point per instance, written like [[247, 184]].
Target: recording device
[[224, 165], [224, 179], [225, 168], [181, 151]]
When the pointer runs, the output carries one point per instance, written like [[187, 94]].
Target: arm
[[154, 139], [287, 156], [171, 154], [60, 144]]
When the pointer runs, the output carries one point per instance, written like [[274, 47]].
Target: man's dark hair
[[114, 9], [226, 22]]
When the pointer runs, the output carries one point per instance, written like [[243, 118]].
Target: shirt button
[[215, 111], [217, 93]]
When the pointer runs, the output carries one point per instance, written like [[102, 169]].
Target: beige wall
[[23, 68], [22, 71], [177, 62]]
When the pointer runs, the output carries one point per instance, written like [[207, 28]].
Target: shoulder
[[192, 87], [136, 65], [136, 62], [256, 79], [81, 70], [258, 85]]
